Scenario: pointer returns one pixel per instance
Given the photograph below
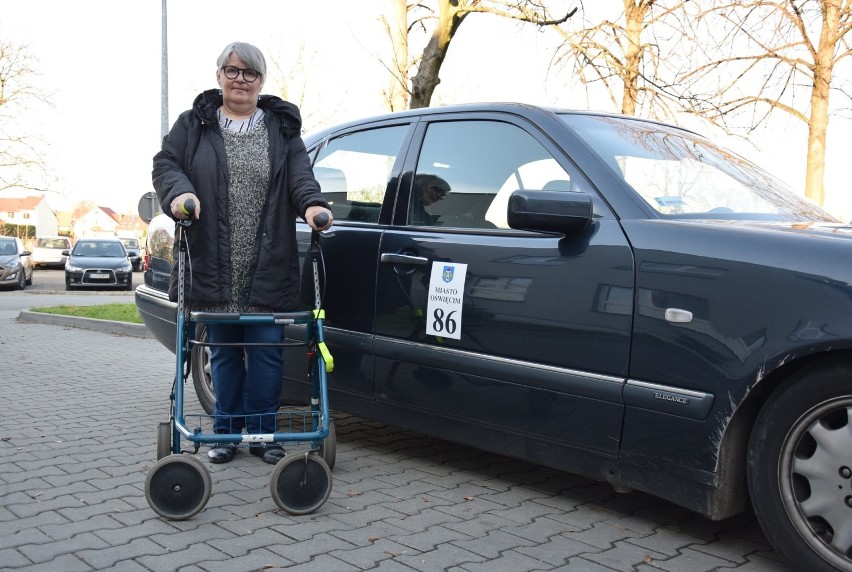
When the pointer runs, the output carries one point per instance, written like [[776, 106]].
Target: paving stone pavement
[[78, 435]]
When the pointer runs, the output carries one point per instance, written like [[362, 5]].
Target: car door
[[356, 169], [479, 325]]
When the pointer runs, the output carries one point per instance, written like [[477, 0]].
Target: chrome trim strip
[[507, 361]]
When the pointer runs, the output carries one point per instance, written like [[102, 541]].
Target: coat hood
[[208, 102]]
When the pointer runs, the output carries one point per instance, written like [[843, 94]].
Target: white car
[[48, 251]]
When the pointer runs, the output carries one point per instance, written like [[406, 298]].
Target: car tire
[[800, 468], [30, 279], [22, 280], [202, 379]]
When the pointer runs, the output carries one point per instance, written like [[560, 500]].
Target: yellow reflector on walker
[[319, 314], [326, 357]]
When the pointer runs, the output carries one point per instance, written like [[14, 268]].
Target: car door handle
[[404, 259]]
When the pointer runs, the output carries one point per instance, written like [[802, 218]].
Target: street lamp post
[[149, 206], [164, 76]]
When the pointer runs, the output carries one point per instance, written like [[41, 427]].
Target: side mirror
[[66, 253], [26, 253], [564, 212]]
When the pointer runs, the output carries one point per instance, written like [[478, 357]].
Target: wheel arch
[[732, 458]]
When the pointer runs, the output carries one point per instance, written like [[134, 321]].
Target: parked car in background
[[601, 294], [48, 251], [134, 251], [158, 253], [16, 264], [98, 263]]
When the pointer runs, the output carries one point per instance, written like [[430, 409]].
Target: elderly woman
[[239, 155]]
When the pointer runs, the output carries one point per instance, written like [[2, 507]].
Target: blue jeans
[[247, 381]]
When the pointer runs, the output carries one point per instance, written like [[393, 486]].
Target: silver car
[[16, 265]]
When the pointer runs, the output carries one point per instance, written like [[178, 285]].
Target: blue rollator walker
[[178, 486]]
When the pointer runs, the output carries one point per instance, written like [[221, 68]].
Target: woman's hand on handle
[[317, 223], [179, 207]]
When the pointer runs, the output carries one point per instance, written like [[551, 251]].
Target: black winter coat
[[192, 160]]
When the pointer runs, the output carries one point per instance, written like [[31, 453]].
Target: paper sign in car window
[[670, 201], [444, 310]]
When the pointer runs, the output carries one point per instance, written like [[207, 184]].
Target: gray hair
[[248, 54]]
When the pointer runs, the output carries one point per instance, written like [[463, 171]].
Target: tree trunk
[[423, 84], [818, 122], [634, 14]]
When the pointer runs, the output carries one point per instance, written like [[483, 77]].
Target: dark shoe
[[270, 453], [221, 453]]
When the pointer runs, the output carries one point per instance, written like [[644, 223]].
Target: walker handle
[[188, 208], [321, 219]]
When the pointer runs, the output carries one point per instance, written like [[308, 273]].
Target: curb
[[109, 326]]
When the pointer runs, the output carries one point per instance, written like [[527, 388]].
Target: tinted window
[[99, 248], [468, 169], [353, 171]]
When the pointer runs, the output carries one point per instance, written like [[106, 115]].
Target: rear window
[[60, 243]]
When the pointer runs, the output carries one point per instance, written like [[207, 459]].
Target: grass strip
[[114, 312]]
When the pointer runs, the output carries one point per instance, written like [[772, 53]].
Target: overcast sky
[[101, 59]]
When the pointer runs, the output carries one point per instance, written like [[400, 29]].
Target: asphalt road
[[48, 289]]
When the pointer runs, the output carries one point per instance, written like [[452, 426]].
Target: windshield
[[130, 243], [683, 175], [59, 243], [98, 249], [8, 247]]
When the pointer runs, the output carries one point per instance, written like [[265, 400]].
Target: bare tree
[[293, 85], [634, 56], [21, 164], [397, 94], [766, 54], [440, 22]]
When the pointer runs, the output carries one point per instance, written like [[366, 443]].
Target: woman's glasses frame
[[233, 72]]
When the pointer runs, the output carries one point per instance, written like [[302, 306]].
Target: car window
[[353, 172], [58, 243], [8, 247], [467, 170]]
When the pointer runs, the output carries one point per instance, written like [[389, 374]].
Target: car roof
[[523, 109]]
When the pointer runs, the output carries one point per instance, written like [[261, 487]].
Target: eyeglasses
[[439, 193], [233, 72]]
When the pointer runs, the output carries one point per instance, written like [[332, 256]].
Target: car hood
[[821, 229], [98, 261], [6, 259]]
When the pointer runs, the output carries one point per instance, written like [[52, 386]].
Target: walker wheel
[[300, 483], [164, 440], [178, 486], [328, 446]]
